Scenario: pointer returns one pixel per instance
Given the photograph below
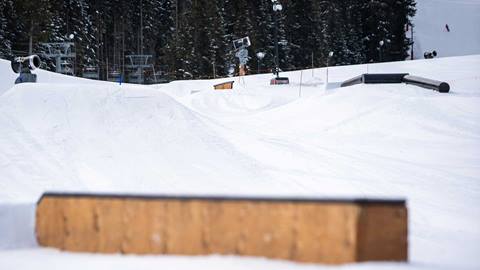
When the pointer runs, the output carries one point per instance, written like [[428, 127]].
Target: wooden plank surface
[[321, 231]]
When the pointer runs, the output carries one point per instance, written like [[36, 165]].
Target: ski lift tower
[[138, 65], [63, 53]]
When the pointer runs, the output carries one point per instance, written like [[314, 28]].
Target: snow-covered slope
[[300, 139], [111, 138], [7, 77], [463, 20]]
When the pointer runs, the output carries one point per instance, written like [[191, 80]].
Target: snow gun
[[24, 66]]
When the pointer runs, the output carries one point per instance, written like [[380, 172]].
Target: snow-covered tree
[[7, 15], [73, 22], [188, 38]]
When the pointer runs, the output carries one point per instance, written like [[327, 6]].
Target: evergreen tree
[[353, 43], [7, 15], [327, 35], [262, 38], [377, 26], [190, 38], [77, 21], [402, 11], [285, 61], [219, 44], [225, 55], [164, 34], [32, 24], [300, 32], [184, 36]]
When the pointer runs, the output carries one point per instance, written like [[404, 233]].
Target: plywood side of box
[[305, 231], [383, 233]]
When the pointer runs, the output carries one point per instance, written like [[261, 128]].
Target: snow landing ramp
[[299, 229]]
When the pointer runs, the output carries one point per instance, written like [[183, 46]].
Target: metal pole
[[276, 45], [30, 39], [107, 68], [411, 37], [106, 54], [300, 90], [213, 63], [58, 61], [74, 60], [141, 26], [123, 51], [312, 64], [155, 74], [381, 43], [326, 83], [176, 22], [114, 44]]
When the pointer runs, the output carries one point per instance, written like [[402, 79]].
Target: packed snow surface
[[304, 139]]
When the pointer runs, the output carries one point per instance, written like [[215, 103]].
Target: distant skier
[[447, 27]]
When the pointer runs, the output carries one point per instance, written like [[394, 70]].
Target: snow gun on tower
[[24, 66]]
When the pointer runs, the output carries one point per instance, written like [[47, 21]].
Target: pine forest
[[191, 39]]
